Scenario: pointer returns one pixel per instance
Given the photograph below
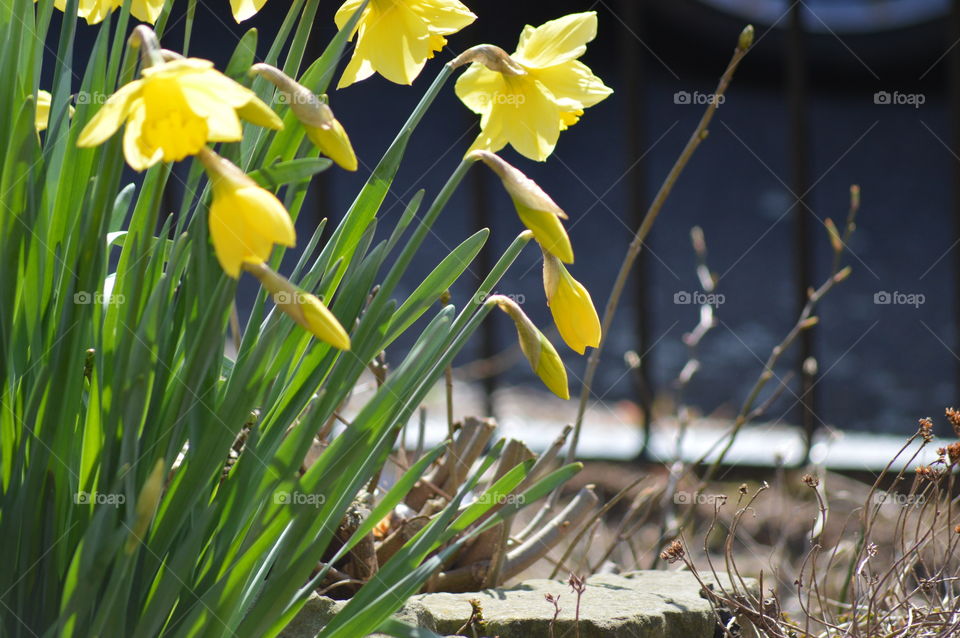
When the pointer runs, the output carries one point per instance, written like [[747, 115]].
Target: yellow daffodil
[[536, 209], [302, 307], [396, 37], [526, 99], [536, 348], [174, 110], [94, 11], [245, 9], [323, 129], [571, 306], [245, 219], [42, 118]]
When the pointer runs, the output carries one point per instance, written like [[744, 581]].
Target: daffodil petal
[[397, 44], [146, 10], [532, 124], [574, 85], [111, 115], [479, 87], [557, 41], [245, 9], [138, 155], [346, 11], [443, 17]]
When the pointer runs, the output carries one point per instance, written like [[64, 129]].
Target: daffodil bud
[[571, 306], [490, 56], [147, 502], [302, 307], [44, 101], [536, 209], [536, 348], [322, 128], [245, 219]]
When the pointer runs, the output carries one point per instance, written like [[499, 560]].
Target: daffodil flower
[[174, 110], [536, 209], [42, 118], [538, 350], [322, 128], [397, 37], [571, 306], [539, 91], [94, 11], [302, 307], [245, 219]]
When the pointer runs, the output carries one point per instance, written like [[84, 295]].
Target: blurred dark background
[[802, 122]]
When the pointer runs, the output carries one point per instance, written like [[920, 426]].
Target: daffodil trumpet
[[536, 209], [304, 308], [526, 99], [571, 306], [538, 350], [322, 128]]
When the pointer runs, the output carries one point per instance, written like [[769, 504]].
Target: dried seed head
[[810, 480], [577, 584], [953, 453], [930, 473], [953, 416], [673, 552], [926, 429]]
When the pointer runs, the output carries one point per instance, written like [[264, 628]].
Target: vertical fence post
[[632, 12], [479, 211], [799, 183], [953, 89]]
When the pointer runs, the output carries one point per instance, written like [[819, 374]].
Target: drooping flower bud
[[536, 348], [571, 306], [536, 209], [245, 219], [323, 129], [302, 307]]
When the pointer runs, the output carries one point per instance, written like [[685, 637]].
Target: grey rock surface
[[642, 604]]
